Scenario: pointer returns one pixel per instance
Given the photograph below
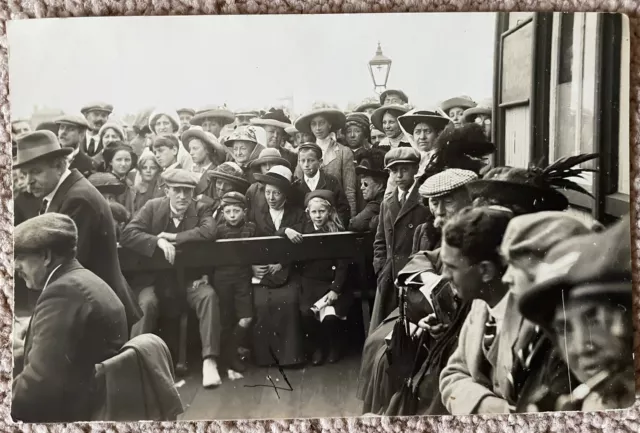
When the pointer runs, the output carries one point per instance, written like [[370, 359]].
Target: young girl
[[324, 299]]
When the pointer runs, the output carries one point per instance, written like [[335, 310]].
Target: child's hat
[[233, 197], [319, 193]]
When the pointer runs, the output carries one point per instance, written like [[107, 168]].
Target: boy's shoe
[[317, 358], [210, 375], [234, 375]]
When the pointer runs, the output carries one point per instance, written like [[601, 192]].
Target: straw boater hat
[[596, 266], [464, 102], [73, 120], [335, 117], [190, 111], [224, 116], [107, 183], [43, 232], [277, 175], [397, 110], [533, 189], [484, 107], [230, 171], [371, 102], [274, 117], [398, 92], [37, 145], [210, 141], [434, 119], [97, 106], [170, 113], [445, 182], [269, 155]]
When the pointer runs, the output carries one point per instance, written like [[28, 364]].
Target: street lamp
[[379, 67]]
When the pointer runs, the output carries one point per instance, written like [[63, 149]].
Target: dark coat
[[84, 164], [318, 277], [25, 206], [97, 243], [367, 219], [77, 323], [426, 236], [290, 156], [140, 235], [293, 218], [392, 248], [330, 183]]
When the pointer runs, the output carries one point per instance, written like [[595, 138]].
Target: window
[[573, 88]]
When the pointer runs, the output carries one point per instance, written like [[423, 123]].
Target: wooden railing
[[358, 247]]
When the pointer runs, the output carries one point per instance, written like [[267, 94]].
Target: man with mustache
[[97, 115], [71, 130], [164, 224]]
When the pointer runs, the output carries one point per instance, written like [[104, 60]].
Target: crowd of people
[[491, 296]]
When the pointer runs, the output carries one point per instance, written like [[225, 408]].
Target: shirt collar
[[500, 309], [314, 178], [175, 212], [52, 194], [406, 194]]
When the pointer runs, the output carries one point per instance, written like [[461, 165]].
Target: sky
[[244, 61]]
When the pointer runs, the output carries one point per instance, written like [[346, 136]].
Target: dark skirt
[[277, 325], [374, 386], [311, 290]]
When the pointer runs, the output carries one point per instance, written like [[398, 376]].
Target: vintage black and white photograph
[[304, 216]]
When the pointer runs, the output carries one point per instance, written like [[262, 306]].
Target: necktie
[[43, 206], [402, 198], [91, 148]]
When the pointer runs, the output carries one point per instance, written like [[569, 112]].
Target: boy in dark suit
[[165, 223], [233, 284], [310, 160]]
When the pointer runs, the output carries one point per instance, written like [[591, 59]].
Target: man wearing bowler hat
[[71, 132], [46, 167], [97, 114], [400, 213], [77, 322], [164, 224]]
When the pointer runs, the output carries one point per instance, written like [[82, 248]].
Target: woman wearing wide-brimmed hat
[[455, 107], [368, 106], [385, 119], [277, 325], [244, 147], [166, 122], [212, 119], [275, 122], [423, 127], [480, 114], [267, 159], [323, 120], [373, 179]]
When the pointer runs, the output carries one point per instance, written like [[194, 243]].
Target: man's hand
[[491, 404], [332, 297], [293, 236], [431, 324], [171, 237], [245, 322], [260, 271], [168, 249], [275, 268]]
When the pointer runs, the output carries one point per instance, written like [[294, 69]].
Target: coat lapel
[[410, 202], [190, 220], [161, 217], [330, 154], [322, 181], [61, 193]]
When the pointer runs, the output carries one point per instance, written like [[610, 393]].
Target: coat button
[[410, 226]]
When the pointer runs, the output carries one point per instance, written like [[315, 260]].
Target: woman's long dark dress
[[278, 326]]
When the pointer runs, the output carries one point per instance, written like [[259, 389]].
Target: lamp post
[[379, 68]]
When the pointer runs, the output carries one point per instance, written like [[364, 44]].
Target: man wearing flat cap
[[96, 114], [481, 376], [64, 190], [400, 213], [71, 131], [78, 322], [582, 299], [164, 224]]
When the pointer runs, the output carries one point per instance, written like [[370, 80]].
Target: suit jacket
[[140, 235], [77, 323], [330, 183], [338, 162], [84, 164], [97, 244], [367, 219], [290, 156], [469, 376], [392, 248]]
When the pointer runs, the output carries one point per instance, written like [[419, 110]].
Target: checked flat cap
[[445, 182]]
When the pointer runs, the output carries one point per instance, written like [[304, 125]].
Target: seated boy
[[233, 284], [165, 223], [310, 160]]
